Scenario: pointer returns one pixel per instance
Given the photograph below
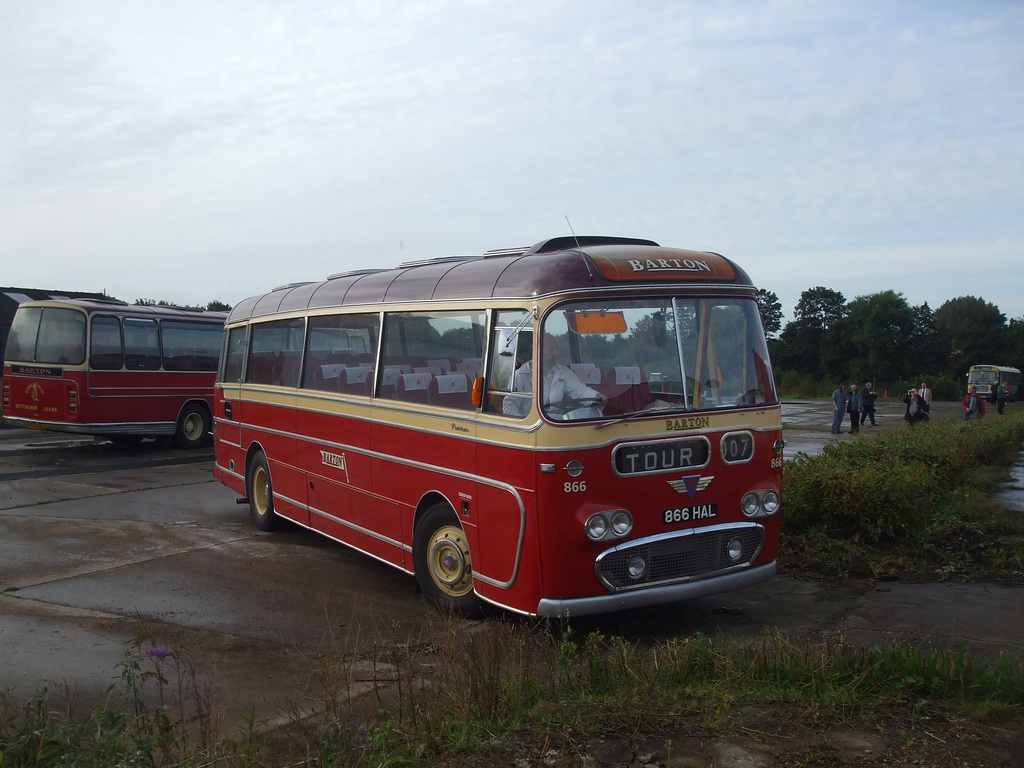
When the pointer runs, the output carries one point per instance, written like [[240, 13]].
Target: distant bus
[[114, 370], [987, 379], [583, 426]]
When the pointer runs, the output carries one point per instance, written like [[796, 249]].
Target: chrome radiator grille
[[679, 556]]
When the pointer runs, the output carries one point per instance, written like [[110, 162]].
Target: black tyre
[[443, 563], [193, 427], [260, 491]]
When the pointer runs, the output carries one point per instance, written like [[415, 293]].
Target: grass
[[501, 691]]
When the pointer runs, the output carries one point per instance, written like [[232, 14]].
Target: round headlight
[[597, 527], [734, 550], [750, 505], [770, 501], [622, 522], [636, 566]]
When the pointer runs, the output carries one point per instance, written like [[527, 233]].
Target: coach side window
[[275, 354], [190, 346], [141, 344], [234, 355], [432, 357], [105, 352], [510, 384], [340, 352]]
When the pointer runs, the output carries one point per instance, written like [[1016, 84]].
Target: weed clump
[[913, 503]]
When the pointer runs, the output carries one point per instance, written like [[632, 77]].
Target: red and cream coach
[[586, 425]]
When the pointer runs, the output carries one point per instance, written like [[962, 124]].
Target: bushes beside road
[[914, 503]]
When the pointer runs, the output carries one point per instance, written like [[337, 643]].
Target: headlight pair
[[761, 503]]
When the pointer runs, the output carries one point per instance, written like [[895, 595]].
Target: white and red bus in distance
[[583, 426], [987, 379], [114, 370]]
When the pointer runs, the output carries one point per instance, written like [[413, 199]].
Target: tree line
[[882, 338], [213, 306]]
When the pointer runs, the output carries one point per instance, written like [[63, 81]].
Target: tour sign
[[662, 456]]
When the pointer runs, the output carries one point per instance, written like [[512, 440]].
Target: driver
[[561, 382]]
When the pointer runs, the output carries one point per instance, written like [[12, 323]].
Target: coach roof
[[551, 266]]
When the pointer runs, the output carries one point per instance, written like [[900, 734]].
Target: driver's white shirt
[[561, 382]]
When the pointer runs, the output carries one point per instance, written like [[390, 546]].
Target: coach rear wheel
[[193, 427], [444, 565], [261, 494]]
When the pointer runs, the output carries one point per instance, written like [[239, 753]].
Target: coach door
[[228, 406]]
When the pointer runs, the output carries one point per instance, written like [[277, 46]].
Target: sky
[[203, 150]]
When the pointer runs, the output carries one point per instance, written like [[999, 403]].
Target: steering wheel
[[568, 405]]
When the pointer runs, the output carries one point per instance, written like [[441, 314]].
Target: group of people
[[858, 404]]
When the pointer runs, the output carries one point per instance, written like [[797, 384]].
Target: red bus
[[586, 425], [110, 369]]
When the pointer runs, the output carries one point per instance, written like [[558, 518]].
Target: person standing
[[867, 404], [1001, 397], [915, 407], [973, 404], [926, 395], [853, 408], [838, 408]]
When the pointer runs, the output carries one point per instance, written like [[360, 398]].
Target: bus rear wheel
[[193, 427], [443, 562], [260, 491]]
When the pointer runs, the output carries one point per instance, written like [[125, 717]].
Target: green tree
[[926, 352], [1014, 350], [974, 331], [806, 346], [770, 307], [881, 328], [820, 307]]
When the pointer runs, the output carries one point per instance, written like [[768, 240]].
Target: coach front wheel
[[443, 562], [260, 491]]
